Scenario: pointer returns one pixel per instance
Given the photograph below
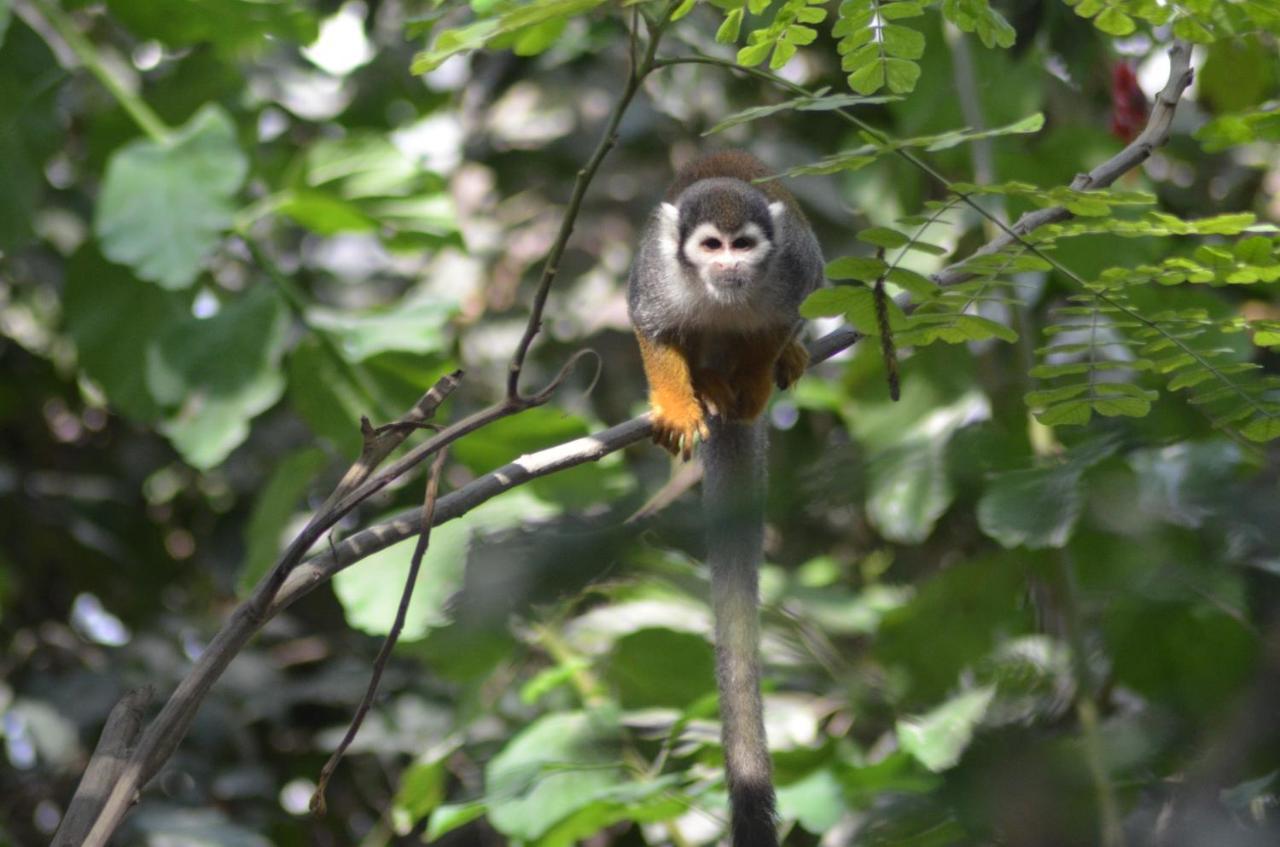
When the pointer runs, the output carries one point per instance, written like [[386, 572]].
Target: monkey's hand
[[791, 365], [677, 413], [675, 425]]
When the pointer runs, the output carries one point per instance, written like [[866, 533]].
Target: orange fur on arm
[[677, 414]]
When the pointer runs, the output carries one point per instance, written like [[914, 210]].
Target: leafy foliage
[[877, 52]]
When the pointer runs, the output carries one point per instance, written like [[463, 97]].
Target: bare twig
[[118, 738], [636, 74], [389, 643]]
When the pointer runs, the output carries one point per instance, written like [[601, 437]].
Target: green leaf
[[917, 285], [938, 739], [1113, 21], [539, 37], [902, 42], [754, 54], [219, 373], [370, 593], [656, 667], [1262, 428], [446, 818], [868, 79], [558, 765], [422, 787], [883, 237], [863, 268], [909, 488], [164, 207], [816, 802], [115, 321], [1035, 508], [273, 506], [6, 8], [731, 28], [901, 75], [683, 9]]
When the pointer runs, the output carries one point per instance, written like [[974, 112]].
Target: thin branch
[[636, 74], [116, 743], [389, 643]]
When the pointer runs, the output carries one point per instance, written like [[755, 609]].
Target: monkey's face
[[726, 261]]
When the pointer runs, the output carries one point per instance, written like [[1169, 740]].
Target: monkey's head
[[722, 231]]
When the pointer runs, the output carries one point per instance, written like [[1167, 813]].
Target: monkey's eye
[[743, 243], [711, 244]]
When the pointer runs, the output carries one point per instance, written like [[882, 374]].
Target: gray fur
[[665, 297], [733, 489]]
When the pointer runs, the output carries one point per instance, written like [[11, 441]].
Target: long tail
[[733, 499]]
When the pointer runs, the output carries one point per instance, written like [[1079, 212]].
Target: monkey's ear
[[777, 209], [669, 213]]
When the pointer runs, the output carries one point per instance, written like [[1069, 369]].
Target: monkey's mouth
[[729, 281]]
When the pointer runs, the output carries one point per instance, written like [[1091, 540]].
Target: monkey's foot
[[791, 364], [715, 392], [675, 426]]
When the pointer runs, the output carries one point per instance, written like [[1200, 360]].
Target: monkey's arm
[[677, 414]]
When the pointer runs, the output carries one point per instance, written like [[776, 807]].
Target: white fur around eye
[[760, 244], [700, 234]]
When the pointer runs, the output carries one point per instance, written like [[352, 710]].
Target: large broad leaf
[[939, 738], [231, 25], [219, 373], [370, 592], [114, 321], [164, 206]]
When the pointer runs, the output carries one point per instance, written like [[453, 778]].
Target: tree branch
[[635, 76]]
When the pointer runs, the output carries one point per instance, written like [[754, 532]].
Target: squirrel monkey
[[714, 295]]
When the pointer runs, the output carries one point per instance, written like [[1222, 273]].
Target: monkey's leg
[[791, 365], [714, 391], [677, 414], [753, 374]]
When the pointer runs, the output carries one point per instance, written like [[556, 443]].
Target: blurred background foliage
[[228, 229]]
